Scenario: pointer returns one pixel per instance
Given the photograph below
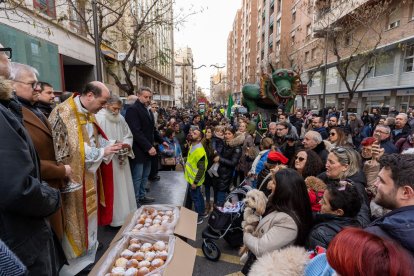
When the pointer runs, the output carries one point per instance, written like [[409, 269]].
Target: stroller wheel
[[211, 250]]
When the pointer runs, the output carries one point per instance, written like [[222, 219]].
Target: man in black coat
[[25, 202], [395, 191], [141, 122]]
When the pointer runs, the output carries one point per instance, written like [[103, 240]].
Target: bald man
[[84, 147]]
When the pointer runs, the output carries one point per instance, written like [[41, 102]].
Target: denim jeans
[[140, 173], [198, 199]]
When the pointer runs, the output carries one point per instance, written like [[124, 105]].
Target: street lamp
[[97, 42]]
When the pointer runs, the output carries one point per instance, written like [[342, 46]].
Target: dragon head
[[284, 80]]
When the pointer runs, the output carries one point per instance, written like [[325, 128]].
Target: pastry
[[143, 271], [117, 271], [134, 247], [163, 255], [169, 213], [159, 246], [131, 271], [157, 263], [132, 263], [139, 256], [146, 247], [149, 256], [144, 263], [127, 254], [121, 262], [133, 240]]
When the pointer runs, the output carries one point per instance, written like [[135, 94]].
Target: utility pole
[[97, 42]]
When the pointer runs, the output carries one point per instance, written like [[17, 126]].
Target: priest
[[81, 144]]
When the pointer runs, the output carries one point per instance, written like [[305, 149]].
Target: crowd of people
[[338, 185]]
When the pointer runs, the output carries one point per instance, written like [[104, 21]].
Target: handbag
[[168, 161]]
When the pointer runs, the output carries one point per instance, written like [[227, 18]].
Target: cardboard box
[[182, 262]]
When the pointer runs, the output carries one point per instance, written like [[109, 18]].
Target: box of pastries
[[154, 219], [138, 255]]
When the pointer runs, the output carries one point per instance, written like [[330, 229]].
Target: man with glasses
[[383, 132]]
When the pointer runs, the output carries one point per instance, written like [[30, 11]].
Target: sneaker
[[205, 215], [146, 200], [200, 220]]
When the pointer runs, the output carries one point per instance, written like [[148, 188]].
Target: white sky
[[206, 34]]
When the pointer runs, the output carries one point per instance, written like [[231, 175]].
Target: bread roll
[[121, 262], [132, 263], [157, 263], [139, 256], [159, 246], [131, 271]]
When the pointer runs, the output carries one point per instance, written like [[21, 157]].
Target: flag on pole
[[229, 105]]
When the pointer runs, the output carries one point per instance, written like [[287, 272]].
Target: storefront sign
[[405, 92], [377, 94]]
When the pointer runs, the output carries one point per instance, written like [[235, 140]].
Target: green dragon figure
[[275, 90]]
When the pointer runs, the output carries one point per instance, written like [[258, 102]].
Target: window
[[394, 19], [293, 16], [332, 76], [292, 40], [46, 6], [348, 40], [279, 5], [382, 65], [412, 11], [278, 46], [409, 59], [308, 30], [313, 54], [278, 27], [315, 79], [307, 56]]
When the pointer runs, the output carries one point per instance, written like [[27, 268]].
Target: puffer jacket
[[326, 227], [229, 158]]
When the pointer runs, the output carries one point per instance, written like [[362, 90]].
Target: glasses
[[332, 133], [7, 51], [280, 129], [299, 158], [32, 84]]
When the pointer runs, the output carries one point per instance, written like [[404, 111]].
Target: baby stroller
[[225, 223]]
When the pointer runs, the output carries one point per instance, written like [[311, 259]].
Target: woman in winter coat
[[173, 150], [266, 145], [208, 182], [248, 153], [228, 161], [345, 164], [340, 205], [286, 221]]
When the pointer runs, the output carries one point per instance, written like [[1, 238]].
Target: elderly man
[[54, 173], [318, 126], [131, 99], [25, 201], [115, 127], [313, 140], [46, 98], [395, 191], [402, 129], [84, 146], [383, 132]]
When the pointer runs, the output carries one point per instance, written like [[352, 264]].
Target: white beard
[[111, 117]]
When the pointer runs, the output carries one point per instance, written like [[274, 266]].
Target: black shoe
[[146, 200], [155, 178], [200, 220]]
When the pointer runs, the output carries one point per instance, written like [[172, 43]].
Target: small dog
[[255, 206]]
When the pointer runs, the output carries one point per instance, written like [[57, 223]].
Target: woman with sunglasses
[[338, 138], [345, 164], [307, 163]]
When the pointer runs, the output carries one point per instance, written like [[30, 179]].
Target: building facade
[[184, 77]]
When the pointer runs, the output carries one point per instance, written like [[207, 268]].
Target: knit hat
[[275, 157], [368, 141]]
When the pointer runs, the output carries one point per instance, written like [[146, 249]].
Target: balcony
[[330, 11]]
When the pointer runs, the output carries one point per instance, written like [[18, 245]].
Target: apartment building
[[390, 82], [218, 89], [234, 63], [184, 78], [51, 36]]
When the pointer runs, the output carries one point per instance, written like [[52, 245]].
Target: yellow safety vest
[[190, 170]]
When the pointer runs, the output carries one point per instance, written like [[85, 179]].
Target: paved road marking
[[238, 273], [224, 257]]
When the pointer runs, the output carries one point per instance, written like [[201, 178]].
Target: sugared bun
[[118, 271], [157, 263], [146, 247], [131, 271], [149, 256], [159, 246], [127, 254], [133, 240], [143, 271], [134, 247], [169, 213], [144, 263], [139, 256], [163, 255], [132, 263], [154, 228], [121, 262]]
